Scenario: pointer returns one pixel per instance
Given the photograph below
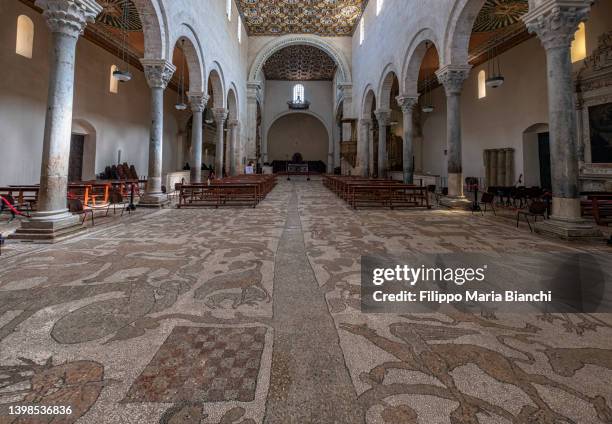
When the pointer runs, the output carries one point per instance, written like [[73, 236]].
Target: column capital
[[556, 21], [407, 103], [383, 116], [366, 122], [158, 72], [233, 123], [69, 16], [197, 100], [220, 115], [452, 77], [253, 89]]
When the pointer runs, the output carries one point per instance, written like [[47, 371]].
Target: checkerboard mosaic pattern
[[207, 364]]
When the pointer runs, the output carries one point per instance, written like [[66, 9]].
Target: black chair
[[537, 208], [76, 206], [116, 198], [488, 199]]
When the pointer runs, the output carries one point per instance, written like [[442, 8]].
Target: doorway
[[75, 164], [544, 156]]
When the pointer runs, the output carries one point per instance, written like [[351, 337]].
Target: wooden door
[[75, 164]]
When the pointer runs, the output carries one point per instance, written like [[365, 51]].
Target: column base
[[153, 200], [456, 202], [455, 185], [49, 228], [576, 229]]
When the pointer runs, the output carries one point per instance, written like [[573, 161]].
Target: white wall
[[121, 121], [278, 93]]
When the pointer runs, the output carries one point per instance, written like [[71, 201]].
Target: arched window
[[298, 93], [482, 84], [25, 36], [228, 9], [114, 82], [361, 30], [379, 6], [579, 44]]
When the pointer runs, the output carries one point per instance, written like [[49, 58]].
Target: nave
[[253, 315]]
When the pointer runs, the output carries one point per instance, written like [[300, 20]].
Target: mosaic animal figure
[[219, 289], [440, 359]]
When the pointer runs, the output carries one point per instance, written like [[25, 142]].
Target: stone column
[[383, 117], [337, 139], [158, 73], [363, 148], [220, 117], [198, 103], [66, 20], [371, 150], [407, 104], [253, 93], [452, 77], [555, 23], [232, 137]]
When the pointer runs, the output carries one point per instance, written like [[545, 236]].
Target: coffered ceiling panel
[[300, 63], [497, 14], [320, 17]]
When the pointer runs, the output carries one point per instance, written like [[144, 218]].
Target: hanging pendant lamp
[[123, 75], [495, 79], [180, 101]]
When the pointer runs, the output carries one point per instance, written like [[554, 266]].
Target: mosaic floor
[[245, 316]]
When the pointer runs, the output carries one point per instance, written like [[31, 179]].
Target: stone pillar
[[501, 167], [158, 73], [66, 20], [220, 117], [555, 23], [452, 77], [198, 103], [363, 147], [407, 104], [253, 94], [337, 139], [232, 139], [383, 117], [371, 150]]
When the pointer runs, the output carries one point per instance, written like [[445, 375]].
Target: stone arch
[[266, 131], [459, 31], [343, 72], [232, 102], [192, 49], [215, 77], [413, 59], [369, 98], [384, 86], [155, 28]]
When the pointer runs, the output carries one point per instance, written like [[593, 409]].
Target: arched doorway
[[301, 133]]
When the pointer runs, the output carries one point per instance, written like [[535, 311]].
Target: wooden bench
[[25, 196], [602, 208], [219, 194]]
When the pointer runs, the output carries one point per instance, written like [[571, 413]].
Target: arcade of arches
[[192, 198]]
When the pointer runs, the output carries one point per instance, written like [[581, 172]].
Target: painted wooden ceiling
[[320, 17], [300, 63]]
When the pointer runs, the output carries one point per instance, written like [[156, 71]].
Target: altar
[[297, 168]]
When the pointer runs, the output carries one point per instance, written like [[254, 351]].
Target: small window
[[361, 31], [482, 84], [298, 93], [25, 36], [579, 44], [239, 30], [114, 82], [379, 6], [228, 9]]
